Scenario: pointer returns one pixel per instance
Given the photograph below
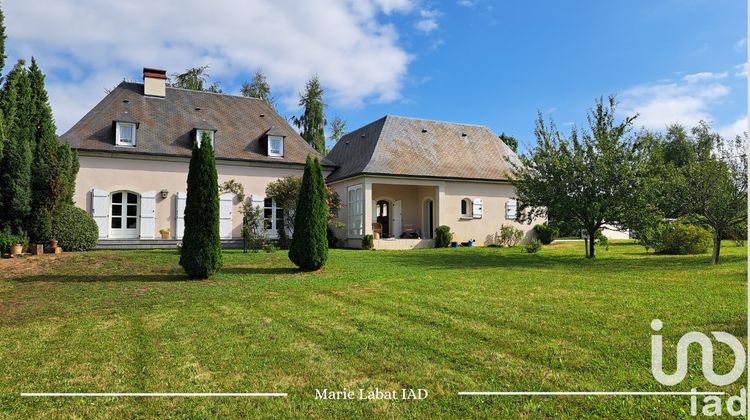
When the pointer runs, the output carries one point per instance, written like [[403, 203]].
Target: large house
[[398, 177]]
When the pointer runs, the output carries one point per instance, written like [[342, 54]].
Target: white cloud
[[730, 131], [687, 101], [740, 45], [467, 3], [86, 46], [704, 76], [741, 70], [428, 21]]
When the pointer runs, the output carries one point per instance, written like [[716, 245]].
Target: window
[[199, 137], [124, 214], [466, 207], [511, 207], [275, 146], [273, 216], [125, 134], [356, 210]]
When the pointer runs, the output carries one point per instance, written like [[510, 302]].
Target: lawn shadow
[[260, 270], [114, 278]]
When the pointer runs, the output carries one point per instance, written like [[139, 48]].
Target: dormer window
[[125, 134], [199, 137], [275, 146]]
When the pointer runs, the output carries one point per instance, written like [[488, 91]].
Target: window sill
[[126, 146], [466, 218]]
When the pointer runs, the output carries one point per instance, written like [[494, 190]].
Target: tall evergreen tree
[[258, 88], [2, 66], [53, 179], [309, 248], [201, 244], [15, 167], [313, 121]]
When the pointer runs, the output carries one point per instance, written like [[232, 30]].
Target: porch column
[[367, 210], [440, 218]]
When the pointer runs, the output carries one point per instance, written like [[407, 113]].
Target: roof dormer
[[125, 127], [203, 127], [274, 139]]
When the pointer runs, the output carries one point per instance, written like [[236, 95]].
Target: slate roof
[[402, 146], [166, 125]]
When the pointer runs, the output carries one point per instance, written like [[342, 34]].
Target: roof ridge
[[436, 121], [200, 91]]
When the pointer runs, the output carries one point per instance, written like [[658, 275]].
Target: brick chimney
[[154, 82]]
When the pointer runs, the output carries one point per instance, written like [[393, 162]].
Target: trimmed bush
[[532, 247], [75, 229], [201, 243], [546, 233], [368, 242], [683, 239], [309, 247], [443, 236]]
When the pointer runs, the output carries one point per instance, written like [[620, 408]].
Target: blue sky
[[473, 61]]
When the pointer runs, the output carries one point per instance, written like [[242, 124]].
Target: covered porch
[[399, 213]]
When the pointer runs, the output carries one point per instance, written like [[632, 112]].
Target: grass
[[446, 320]]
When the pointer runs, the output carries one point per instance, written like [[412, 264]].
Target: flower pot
[[16, 249], [165, 235], [53, 243], [454, 244]]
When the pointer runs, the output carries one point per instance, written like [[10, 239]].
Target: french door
[[124, 215]]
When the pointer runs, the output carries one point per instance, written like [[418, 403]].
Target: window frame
[[273, 229], [199, 136], [280, 139], [118, 129], [469, 203], [507, 208], [355, 226]]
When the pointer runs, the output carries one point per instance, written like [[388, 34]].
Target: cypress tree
[[2, 65], [15, 167], [201, 244], [309, 248], [54, 165]]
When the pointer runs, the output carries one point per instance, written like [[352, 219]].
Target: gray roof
[[401, 146], [166, 125]]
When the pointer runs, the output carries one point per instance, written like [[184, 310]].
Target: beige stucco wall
[[141, 175], [447, 195]]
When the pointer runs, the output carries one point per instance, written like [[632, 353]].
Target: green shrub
[[546, 233], [368, 242], [201, 243], [309, 247], [270, 247], [443, 236], [682, 238], [510, 236], [74, 229], [7, 240], [533, 246], [602, 240]]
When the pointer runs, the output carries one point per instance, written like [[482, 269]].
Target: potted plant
[[53, 243], [164, 233], [16, 249]]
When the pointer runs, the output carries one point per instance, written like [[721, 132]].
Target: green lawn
[[447, 320]]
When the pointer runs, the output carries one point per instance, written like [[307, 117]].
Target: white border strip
[[593, 393], [149, 394]]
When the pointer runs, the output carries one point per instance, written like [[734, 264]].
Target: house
[[398, 177], [135, 147]]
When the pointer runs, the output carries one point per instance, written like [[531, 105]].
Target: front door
[[123, 215], [382, 210]]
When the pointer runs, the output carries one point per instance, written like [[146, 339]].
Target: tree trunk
[[586, 246], [592, 244], [717, 248]]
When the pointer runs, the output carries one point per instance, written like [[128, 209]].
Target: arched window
[[466, 207]]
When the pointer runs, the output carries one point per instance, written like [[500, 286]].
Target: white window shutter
[[478, 208], [100, 211], [511, 209], [148, 215], [181, 199], [225, 215], [257, 201]]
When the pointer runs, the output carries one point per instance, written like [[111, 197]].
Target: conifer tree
[[313, 121], [15, 167], [201, 244], [258, 88], [309, 248]]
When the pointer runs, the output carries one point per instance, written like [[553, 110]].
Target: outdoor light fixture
[[164, 193]]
